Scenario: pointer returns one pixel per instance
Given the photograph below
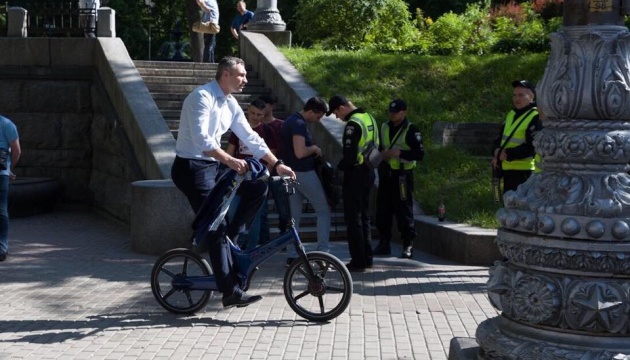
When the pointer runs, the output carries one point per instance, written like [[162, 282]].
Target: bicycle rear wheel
[[168, 281], [324, 297]]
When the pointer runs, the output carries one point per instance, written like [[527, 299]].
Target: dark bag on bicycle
[[216, 204]]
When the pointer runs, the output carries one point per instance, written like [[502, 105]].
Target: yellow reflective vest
[[369, 133], [400, 143], [518, 138]]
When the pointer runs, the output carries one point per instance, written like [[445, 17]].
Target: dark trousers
[[513, 178], [209, 44], [282, 205], [390, 204], [196, 178], [357, 184]]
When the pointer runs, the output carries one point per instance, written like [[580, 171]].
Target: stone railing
[[58, 18]]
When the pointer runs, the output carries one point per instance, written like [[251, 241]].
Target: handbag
[[4, 158], [206, 27], [371, 156]]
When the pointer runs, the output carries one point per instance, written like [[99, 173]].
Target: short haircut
[[228, 62], [268, 99], [316, 104], [258, 103]]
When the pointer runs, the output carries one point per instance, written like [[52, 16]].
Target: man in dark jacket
[[358, 178]]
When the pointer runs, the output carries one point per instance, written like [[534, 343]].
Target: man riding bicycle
[[208, 112]]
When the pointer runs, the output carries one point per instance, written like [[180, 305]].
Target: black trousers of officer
[[357, 184], [513, 178], [196, 178], [390, 204]]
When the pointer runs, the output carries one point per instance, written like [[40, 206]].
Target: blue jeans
[[4, 214], [310, 187], [209, 44]]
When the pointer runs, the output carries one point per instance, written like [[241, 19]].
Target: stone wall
[[474, 137], [68, 132], [85, 118]]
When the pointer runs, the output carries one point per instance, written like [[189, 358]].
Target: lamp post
[[150, 4], [267, 17], [564, 291]]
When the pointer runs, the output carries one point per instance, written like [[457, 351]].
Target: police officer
[[358, 178], [513, 151], [401, 147]]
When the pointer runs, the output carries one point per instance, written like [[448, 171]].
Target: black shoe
[[240, 299], [407, 252], [3, 256], [354, 268], [382, 250]]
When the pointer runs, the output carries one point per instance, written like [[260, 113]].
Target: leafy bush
[[449, 35], [354, 24], [468, 33], [392, 29], [526, 33]]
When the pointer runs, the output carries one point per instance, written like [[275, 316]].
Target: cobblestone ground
[[73, 289]]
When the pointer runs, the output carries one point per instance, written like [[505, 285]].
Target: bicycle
[[182, 280]]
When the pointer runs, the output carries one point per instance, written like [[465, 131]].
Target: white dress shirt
[[206, 115]]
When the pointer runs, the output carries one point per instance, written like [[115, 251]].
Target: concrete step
[[186, 73], [170, 68], [187, 88], [180, 97], [175, 65], [180, 80]]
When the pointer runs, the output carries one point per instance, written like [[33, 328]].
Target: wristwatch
[[274, 169]]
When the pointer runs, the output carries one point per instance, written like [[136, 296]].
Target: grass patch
[[462, 181], [436, 88]]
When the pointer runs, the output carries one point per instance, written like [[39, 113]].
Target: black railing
[[57, 18]]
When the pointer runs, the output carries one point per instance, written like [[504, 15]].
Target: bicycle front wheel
[[323, 297], [168, 281]]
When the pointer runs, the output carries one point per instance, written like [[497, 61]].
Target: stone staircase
[[170, 82]]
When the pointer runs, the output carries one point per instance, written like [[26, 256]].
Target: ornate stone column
[[564, 293], [267, 17]]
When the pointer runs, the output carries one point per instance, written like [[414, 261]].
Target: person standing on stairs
[[209, 13], [401, 147], [258, 231], [241, 19], [358, 178], [299, 152], [275, 188], [208, 112]]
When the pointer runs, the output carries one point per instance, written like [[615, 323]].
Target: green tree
[[353, 24]]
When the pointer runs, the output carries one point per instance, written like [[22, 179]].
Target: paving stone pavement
[[72, 288]]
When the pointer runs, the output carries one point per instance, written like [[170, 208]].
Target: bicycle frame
[[247, 261]]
